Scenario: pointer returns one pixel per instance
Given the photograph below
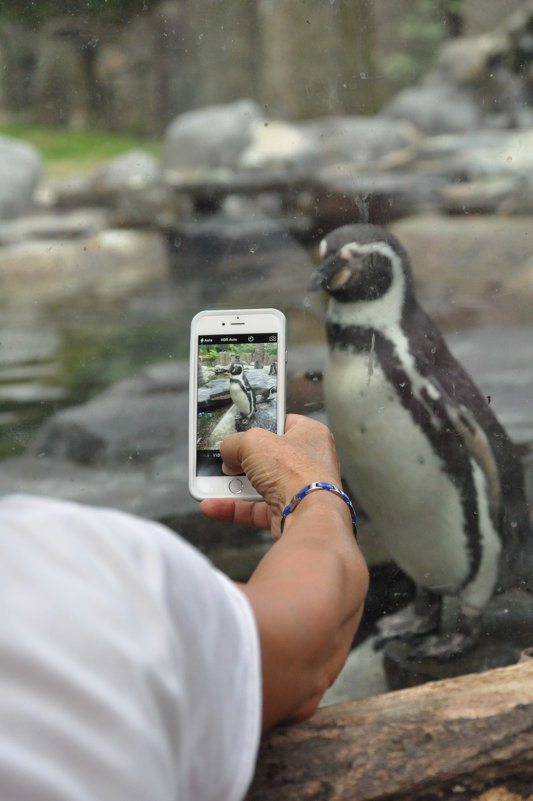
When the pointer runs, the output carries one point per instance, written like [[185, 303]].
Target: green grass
[[75, 151]]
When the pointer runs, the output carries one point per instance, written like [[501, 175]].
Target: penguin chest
[[240, 396], [394, 472]]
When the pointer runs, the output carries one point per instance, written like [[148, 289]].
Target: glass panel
[[161, 158]]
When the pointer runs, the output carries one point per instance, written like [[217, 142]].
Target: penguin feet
[[452, 644], [442, 647], [418, 618], [242, 422]]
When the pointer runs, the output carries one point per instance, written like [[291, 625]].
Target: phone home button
[[236, 486]]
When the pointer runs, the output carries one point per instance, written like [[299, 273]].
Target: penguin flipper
[[478, 447]]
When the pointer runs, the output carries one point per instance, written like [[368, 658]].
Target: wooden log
[[465, 738]]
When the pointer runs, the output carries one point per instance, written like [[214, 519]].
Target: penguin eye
[[323, 248]]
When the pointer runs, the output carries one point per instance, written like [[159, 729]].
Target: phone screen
[[236, 390]]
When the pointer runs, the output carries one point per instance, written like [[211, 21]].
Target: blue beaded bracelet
[[318, 485]]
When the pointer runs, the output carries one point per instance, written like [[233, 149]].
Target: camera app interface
[[237, 386]]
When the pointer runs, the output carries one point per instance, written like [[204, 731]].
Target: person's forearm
[[307, 595]]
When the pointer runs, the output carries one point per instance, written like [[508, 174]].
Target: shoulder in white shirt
[[130, 666]]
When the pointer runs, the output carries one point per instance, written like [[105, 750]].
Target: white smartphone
[[236, 382]]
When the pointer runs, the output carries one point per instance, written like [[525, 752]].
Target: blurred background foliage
[[130, 62], [37, 11], [425, 24]]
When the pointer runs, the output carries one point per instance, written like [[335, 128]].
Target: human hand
[[278, 467]]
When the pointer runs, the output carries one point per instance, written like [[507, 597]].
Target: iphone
[[236, 382]]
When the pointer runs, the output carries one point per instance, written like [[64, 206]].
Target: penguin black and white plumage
[[241, 391], [418, 443]]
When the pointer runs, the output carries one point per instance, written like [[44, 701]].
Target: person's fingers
[[218, 508], [249, 450], [245, 513], [228, 470], [236, 447], [230, 450]]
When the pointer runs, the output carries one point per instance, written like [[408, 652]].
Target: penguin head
[[362, 263], [236, 368]]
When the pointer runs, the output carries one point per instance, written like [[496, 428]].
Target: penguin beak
[[331, 275]]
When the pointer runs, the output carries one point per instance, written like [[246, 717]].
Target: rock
[[209, 138], [474, 82], [277, 145], [471, 271], [506, 633], [436, 108], [133, 170], [214, 393], [357, 139], [108, 264], [466, 60], [53, 226], [254, 262], [20, 172], [130, 185], [69, 194], [362, 675], [30, 392], [490, 196], [344, 194], [20, 346], [102, 432], [301, 148], [476, 155]]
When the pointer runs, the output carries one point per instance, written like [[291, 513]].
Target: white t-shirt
[[129, 666]]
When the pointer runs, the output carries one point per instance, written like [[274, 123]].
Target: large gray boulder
[[133, 170], [210, 137], [105, 264], [301, 148], [436, 108], [131, 422], [20, 172], [357, 139]]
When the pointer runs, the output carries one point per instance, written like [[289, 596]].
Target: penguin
[[271, 394], [266, 394], [241, 391], [418, 444]]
